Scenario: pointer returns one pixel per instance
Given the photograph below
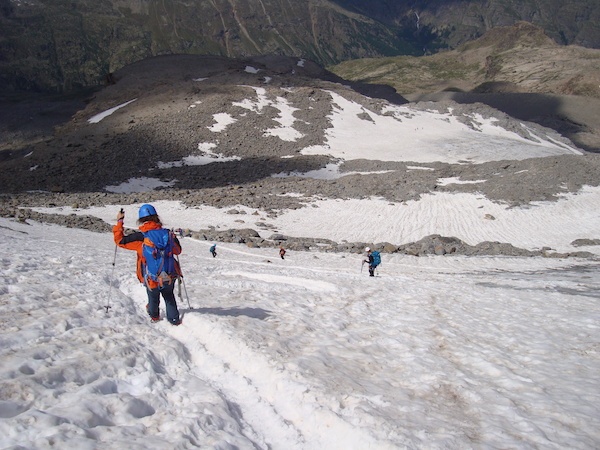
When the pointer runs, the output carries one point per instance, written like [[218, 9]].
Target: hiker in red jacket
[[157, 267]]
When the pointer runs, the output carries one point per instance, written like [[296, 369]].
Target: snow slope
[[302, 353]]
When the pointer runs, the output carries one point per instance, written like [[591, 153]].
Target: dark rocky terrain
[[72, 163], [61, 46]]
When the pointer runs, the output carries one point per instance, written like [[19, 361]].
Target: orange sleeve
[[118, 235]]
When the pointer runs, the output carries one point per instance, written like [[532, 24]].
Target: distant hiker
[[157, 267], [181, 232], [282, 252], [213, 250], [374, 259]]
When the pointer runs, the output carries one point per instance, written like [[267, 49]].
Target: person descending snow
[[374, 259], [282, 252], [213, 250], [157, 267]]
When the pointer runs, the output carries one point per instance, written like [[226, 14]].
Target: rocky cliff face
[[454, 22], [59, 45]]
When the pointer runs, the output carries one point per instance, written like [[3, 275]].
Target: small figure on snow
[[213, 250], [282, 252], [157, 267], [374, 259]]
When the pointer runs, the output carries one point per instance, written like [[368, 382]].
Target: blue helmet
[[146, 210]]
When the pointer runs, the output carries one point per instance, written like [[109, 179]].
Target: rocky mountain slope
[[224, 132], [454, 22], [174, 105], [519, 58], [60, 46]]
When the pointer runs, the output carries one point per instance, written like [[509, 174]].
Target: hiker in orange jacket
[[148, 221]]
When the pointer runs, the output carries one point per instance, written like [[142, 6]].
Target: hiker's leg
[[153, 300], [371, 271], [170, 302]]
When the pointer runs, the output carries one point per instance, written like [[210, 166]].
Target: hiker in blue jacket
[[213, 250], [372, 262]]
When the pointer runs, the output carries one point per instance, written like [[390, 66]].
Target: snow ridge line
[[273, 401]]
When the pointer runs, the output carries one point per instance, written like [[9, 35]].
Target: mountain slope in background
[[518, 58], [454, 22], [60, 45]]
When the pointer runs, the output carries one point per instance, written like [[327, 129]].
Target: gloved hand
[[121, 215]]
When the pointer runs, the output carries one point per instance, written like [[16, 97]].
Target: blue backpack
[[376, 258], [158, 252]]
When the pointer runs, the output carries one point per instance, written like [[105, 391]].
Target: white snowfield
[[405, 134], [309, 352], [465, 216], [303, 353]]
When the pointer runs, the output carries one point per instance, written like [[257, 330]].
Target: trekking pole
[[186, 294], [182, 281], [362, 265], [112, 275]]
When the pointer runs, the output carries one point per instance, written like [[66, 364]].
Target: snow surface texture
[[303, 353], [543, 224]]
